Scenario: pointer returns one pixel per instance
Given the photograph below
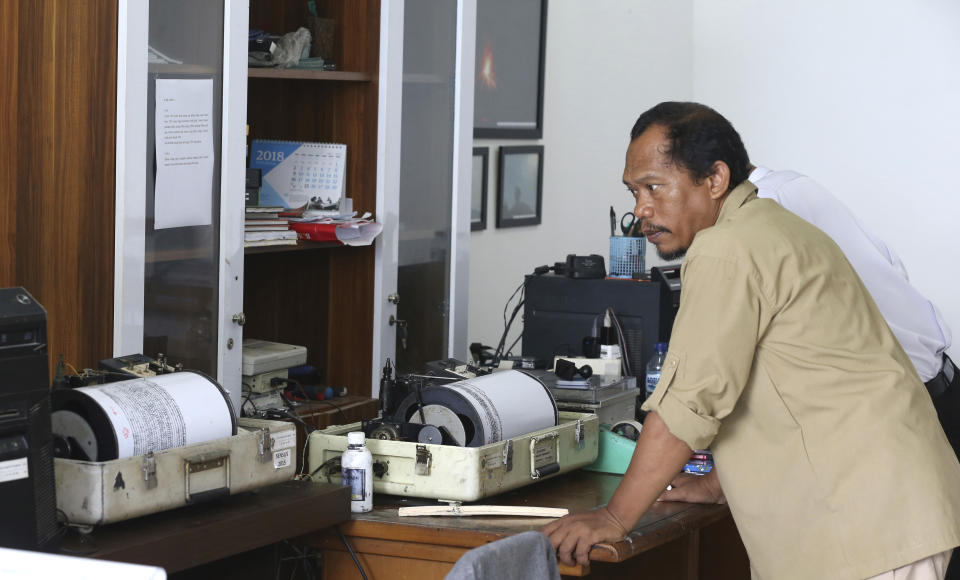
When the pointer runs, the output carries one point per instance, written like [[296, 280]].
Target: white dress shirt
[[914, 320]]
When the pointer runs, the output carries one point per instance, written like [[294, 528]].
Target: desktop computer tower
[[28, 502], [560, 311]]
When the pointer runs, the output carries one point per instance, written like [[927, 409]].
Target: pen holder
[[627, 256]]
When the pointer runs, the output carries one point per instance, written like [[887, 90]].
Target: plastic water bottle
[[654, 366], [356, 470]]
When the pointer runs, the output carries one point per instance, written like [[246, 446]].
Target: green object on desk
[[614, 453]]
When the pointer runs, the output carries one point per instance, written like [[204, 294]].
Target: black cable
[[299, 386], [302, 559], [308, 429], [64, 522], [522, 288], [324, 464], [343, 415], [352, 553], [419, 392], [509, 350], [624, 360], [247, 399], [498, 352]]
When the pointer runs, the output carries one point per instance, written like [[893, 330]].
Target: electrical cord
[[622, 340], [303, 559], [499, 353], [343, 416], [246, 400], [326, 463], [85, 538], [514, 343], [352, 553]]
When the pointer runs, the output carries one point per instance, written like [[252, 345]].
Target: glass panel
[[181, 274], [426, 180]]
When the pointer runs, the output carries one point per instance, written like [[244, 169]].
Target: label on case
[[283, 440], [282, 458], [14, 469]]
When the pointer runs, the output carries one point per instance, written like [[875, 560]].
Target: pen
[[613, 221]]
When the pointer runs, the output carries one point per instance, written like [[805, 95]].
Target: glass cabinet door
[[180, 167], [435, 152]]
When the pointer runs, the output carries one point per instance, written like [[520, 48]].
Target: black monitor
[[560, 311]]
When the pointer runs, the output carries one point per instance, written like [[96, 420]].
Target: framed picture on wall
[[519, 197], [478, 196], [508, 88]]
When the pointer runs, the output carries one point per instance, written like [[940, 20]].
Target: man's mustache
[[649, 229]]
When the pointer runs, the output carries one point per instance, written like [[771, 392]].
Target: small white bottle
[[356, 470]]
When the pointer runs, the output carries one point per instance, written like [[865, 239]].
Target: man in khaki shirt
[[827, 446]]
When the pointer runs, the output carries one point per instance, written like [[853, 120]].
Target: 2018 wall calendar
[[297, 173]]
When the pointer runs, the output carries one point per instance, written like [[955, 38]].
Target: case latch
[[264, 446], [508, 454], [423, 461], [149, 467], [578, 433]]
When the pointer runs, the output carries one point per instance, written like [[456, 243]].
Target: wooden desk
[[671, 541], [189, 536]]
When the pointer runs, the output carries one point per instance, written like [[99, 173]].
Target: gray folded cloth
[[525, 556]]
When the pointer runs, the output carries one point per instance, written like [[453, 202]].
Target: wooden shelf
[[291, 248], [314, 294], [308, 74]]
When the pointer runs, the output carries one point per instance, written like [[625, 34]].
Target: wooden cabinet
[[57, 119], [320, 296]]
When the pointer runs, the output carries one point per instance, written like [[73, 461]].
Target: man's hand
[[657, 459], [695, 489], [573, 536]]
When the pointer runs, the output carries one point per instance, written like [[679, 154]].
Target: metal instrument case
[[467, 473], [102, 492]]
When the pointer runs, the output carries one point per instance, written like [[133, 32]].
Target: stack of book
[[264, 226]]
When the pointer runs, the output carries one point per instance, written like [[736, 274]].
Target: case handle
[[206, 476]]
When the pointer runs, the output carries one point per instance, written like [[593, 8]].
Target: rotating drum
[[134, 417], [487, 409]]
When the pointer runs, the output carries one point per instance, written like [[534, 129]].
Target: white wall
[[606, 63], [862, 96]]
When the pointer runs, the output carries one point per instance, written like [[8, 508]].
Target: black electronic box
[[28, 502], [559, 312]]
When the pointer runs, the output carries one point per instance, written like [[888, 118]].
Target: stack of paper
[[347, 230], [265, 227]]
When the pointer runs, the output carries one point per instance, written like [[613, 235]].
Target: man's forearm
[[657, 459]]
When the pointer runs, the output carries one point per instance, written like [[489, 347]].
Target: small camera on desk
[[584, 267]]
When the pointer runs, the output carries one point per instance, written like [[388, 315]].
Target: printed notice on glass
[[184, 142]]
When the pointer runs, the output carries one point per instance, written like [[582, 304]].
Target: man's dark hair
[[698, 136]]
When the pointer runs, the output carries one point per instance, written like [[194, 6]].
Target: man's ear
[[719, 180]]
